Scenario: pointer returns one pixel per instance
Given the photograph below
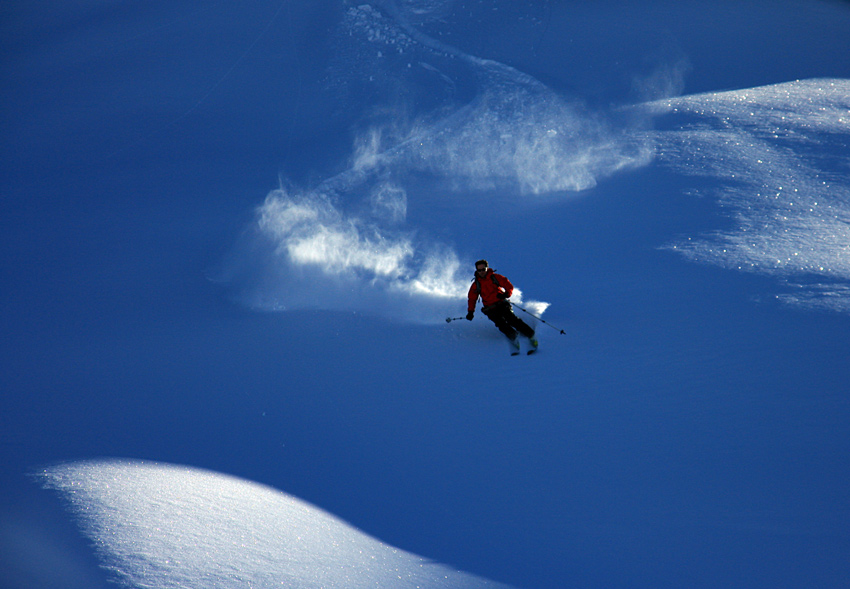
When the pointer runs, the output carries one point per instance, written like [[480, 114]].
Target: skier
[[495, 290]]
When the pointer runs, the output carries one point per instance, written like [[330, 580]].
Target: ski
[[514, 346]]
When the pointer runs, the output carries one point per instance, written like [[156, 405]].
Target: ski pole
[[450, 319], [539, 319]]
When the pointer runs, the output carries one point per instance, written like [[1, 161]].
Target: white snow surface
[[163, 526], [767, 147]]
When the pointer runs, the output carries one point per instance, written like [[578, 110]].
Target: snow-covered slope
[[177, 319]]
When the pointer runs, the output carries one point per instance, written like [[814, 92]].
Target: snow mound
[[162, 525]]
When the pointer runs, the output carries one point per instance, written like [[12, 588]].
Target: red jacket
[[489, 290]]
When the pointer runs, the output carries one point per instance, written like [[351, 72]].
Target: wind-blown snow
[[515, 134], [162, 525], [769, 148]]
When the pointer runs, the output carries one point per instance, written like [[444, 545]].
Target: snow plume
[[780, 153], [468, 131], [526, 141], [308, 230], [306, 252], [515, 134], [162, 525]]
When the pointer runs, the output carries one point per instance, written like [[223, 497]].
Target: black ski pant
[[503, 316]]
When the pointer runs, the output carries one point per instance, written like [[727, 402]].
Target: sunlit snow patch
[[780, 156], [160, 525]]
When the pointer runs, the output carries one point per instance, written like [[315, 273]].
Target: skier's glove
[[503, 296], [470, 315]]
